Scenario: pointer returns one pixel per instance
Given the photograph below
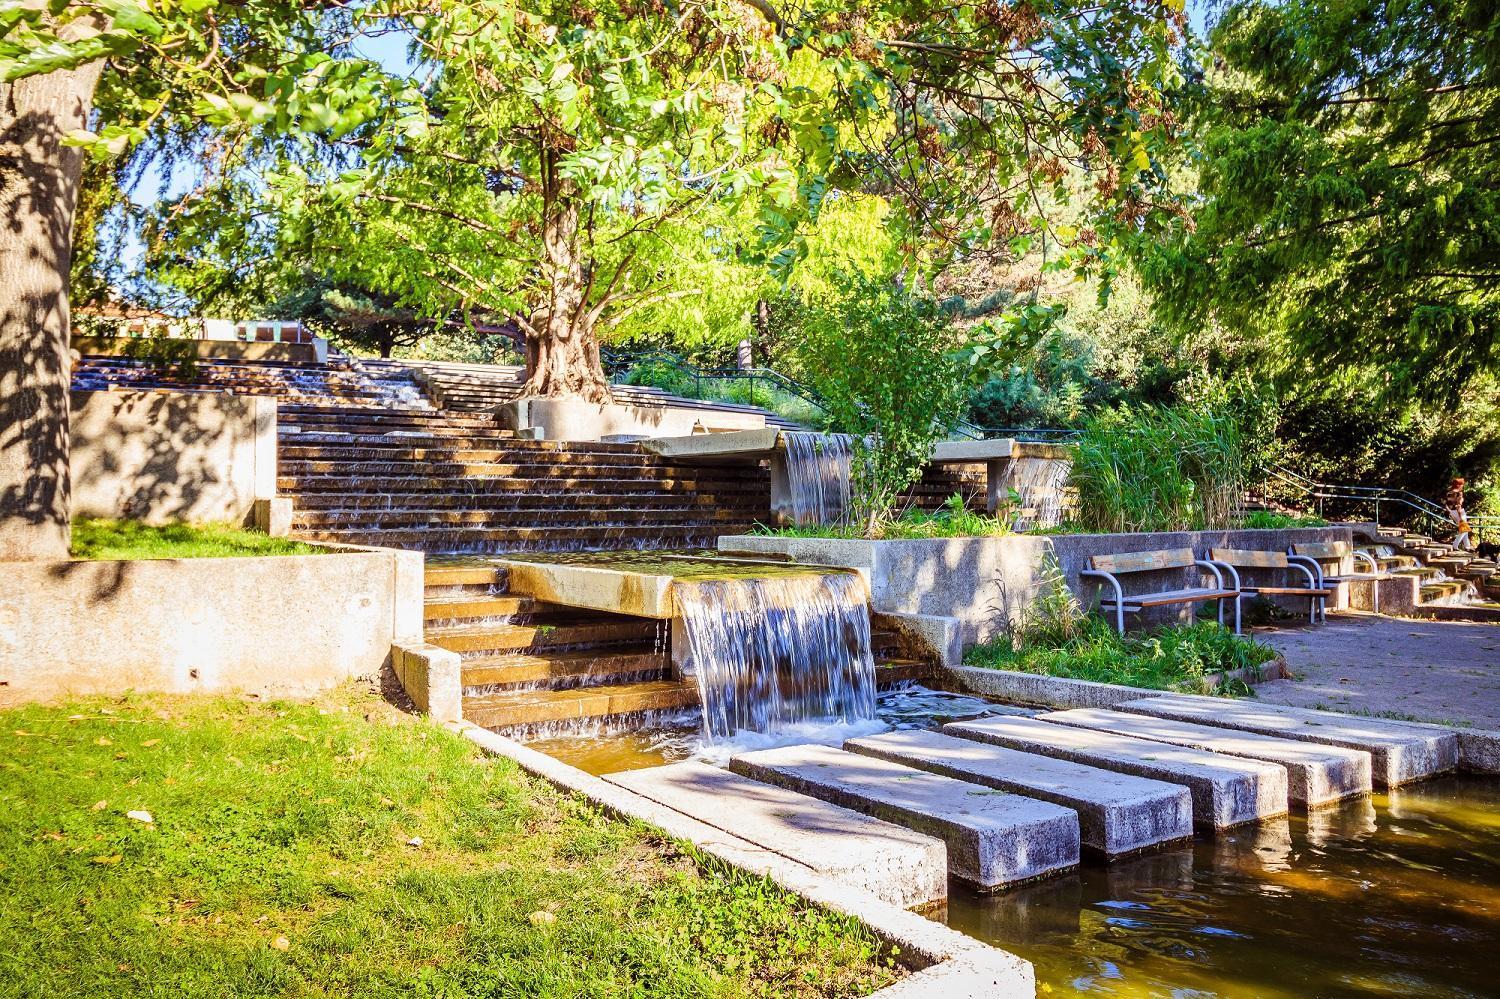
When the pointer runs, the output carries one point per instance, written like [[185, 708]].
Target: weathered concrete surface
[[578, 420], [1226, 791], [937, 638], [432, 677], [1316, 774], [923, 944], [1434, 671], [993, 838], [163, 457], [288, 624], [990, 584], [728, 446], [1117, 813], [903, 867], [1398, 752], [1046, 691]]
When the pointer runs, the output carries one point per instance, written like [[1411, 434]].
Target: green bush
[[1168, 468], [1270, 520], [884, 362], [954, 520]]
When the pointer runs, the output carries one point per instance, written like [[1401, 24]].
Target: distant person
[[1454, 503]]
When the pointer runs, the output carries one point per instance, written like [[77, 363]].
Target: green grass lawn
[[346, 849], [129, 539], [952, 520]]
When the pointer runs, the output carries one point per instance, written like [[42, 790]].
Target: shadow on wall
[[165, 457]]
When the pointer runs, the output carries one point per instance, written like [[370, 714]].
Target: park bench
[[1315, 554], [1234, 559], [1111, 567]]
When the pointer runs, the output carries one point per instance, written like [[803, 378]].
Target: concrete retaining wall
[[166, 456], [575, 420], [989, 584], [277, 625]]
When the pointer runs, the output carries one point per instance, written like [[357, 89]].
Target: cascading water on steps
[[769, 653], [817, 467]]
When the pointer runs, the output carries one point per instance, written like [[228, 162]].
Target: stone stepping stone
[[994, 838], [1117, 813], [904, 867], [1226, 791], [1316, 774], [1399, 753]]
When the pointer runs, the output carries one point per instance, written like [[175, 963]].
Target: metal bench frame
[[1317, 596], [1324, 580], [1123, 604]]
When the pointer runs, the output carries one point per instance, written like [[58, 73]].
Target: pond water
[[1395, 895]]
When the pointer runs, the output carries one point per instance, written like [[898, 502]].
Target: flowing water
[[778, 651], [1396, 895], [817, 470], [903, 706]]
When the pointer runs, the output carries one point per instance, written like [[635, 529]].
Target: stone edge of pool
[[940, 958]]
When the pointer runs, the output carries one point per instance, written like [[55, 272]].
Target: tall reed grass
[[1154, 468]]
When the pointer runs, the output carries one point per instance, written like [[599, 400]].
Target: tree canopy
[[1348, 196]]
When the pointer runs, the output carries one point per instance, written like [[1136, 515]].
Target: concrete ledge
[[944, 954], [618, 591], [1044, 691], [432, 677], [223, 350]]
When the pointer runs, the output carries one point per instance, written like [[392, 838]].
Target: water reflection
[[1398, 895]]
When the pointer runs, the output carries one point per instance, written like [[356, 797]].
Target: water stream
[[779, 651], [817, 469]]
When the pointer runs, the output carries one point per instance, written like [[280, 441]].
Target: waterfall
[[1041, 484], [776, 651], [817, 469]]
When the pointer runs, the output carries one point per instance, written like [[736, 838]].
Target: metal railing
[[1429, 514]]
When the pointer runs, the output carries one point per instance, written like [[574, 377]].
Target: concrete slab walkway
[[994, 838], [1226, 790], [1117, 813], [1316, 774], [903, 867], [1432, 671]]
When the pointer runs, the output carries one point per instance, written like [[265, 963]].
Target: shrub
[[883, 361], [1171, 468]]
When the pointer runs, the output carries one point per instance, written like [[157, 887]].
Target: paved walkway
[[1437, 671]]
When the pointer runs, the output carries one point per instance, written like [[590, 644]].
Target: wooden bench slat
[[1171, 558], [1287, 590], [1248, 558], [1166, 597]]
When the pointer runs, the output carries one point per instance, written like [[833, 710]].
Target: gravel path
[[1437, 671]]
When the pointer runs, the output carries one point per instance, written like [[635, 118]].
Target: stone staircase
[[1446, 575], [449, 482], [342, 381], [479, 388], [530, 668]]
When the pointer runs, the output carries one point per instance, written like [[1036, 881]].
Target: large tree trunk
[[562, 352], [38, 194]]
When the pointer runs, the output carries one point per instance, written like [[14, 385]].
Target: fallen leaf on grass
[[100, 806], [140, 815], [110, 860], [281, 943], [542, 918], [149, 743]]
